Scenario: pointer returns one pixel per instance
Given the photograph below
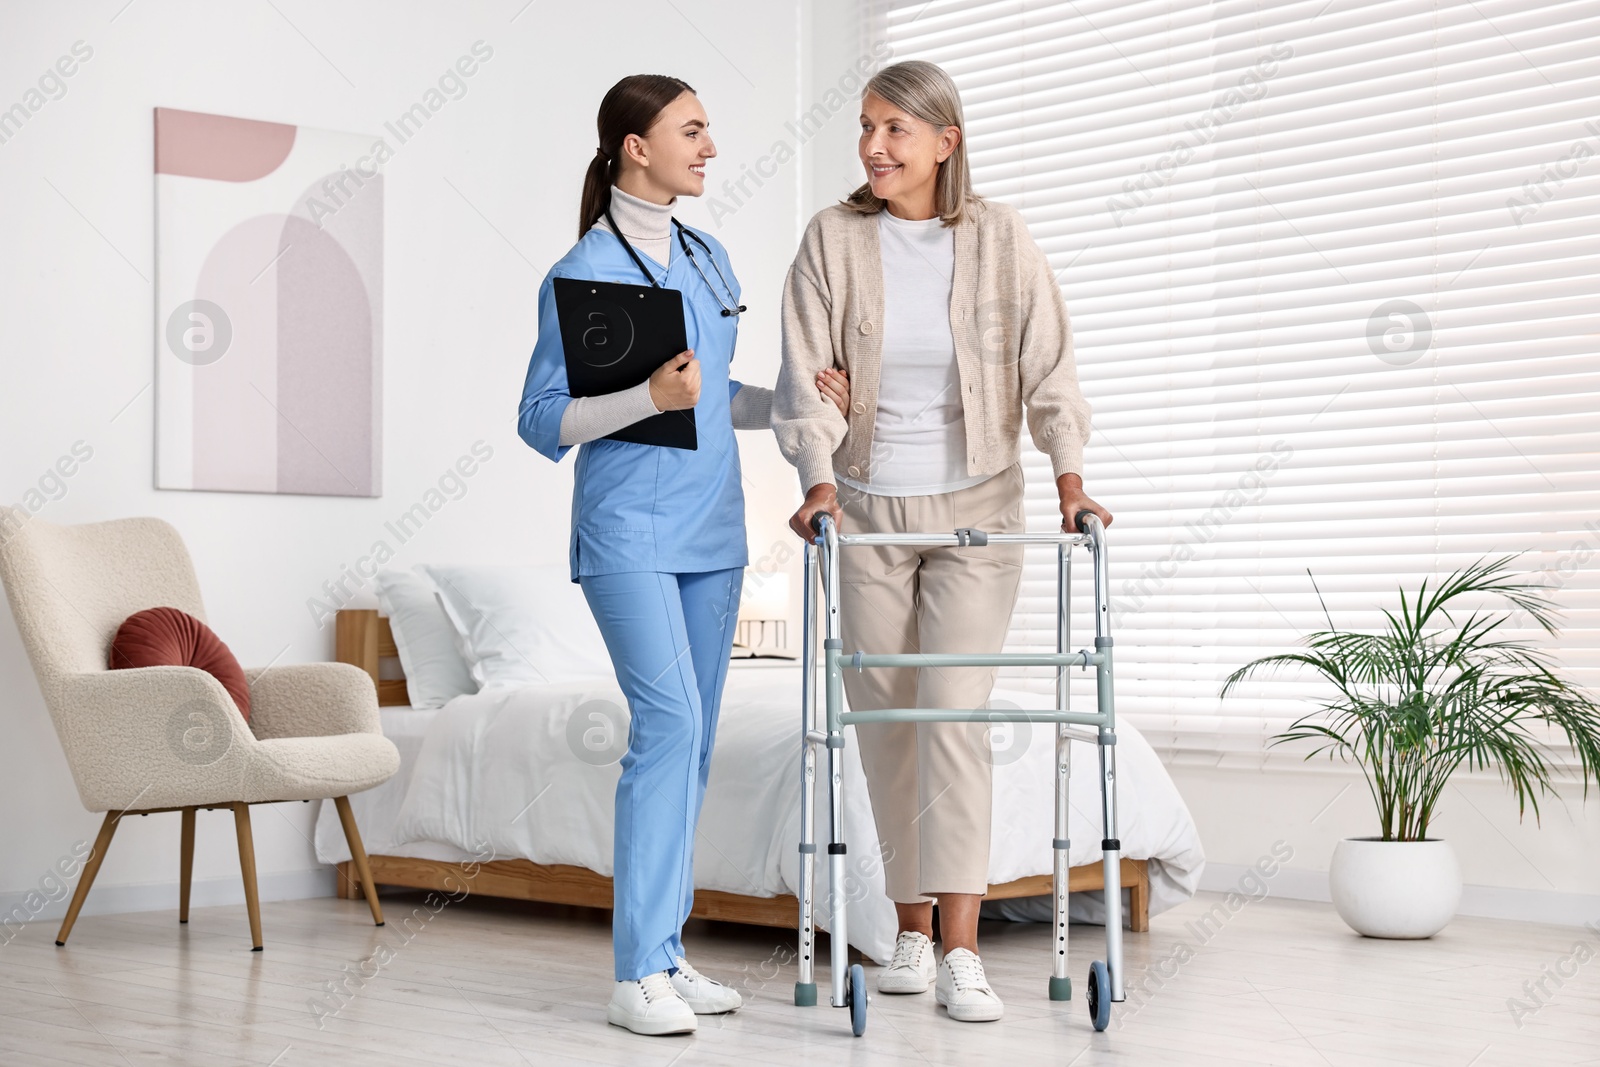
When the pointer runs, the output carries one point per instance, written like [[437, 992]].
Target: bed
[[500, 793]]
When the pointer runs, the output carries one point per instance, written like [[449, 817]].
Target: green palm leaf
[[1438, 689]]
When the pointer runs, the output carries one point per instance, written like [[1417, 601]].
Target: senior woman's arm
[[808, 424], [1058, 415]]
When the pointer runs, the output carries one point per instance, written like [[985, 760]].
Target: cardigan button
[[859, 407], [866, 325], [854, 471]]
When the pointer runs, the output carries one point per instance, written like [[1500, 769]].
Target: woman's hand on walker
[[1074, 500], [834, 385], [821, 499], [675, 385]]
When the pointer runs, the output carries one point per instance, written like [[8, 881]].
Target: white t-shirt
[[919, 441]]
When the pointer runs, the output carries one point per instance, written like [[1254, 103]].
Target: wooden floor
[[486, 982]]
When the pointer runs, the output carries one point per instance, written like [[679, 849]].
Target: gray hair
[[924, 91]]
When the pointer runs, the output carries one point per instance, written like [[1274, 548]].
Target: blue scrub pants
[[669, 636]]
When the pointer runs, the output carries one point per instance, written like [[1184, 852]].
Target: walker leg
[[1060, 980], [838, 936], [1110, 846], [805, 986], [1112, 858], [1060, 977]]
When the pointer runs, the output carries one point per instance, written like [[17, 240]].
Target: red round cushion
[[167, 637]]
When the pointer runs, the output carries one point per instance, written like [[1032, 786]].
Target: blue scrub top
[[646, 507]]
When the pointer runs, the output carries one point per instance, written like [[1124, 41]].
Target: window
[[1334, 274]]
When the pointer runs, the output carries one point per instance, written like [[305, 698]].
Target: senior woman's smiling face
[[901, 153]]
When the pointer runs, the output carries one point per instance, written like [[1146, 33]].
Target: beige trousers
[[930, 783]]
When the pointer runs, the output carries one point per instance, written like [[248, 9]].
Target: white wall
[[1546, 870], [478, 203]]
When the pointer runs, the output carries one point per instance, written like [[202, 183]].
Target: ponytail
[[597, 182], [630, 107]]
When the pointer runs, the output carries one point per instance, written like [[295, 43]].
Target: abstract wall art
[[269, 307]]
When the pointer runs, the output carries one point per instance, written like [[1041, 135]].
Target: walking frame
[[1105, 984]]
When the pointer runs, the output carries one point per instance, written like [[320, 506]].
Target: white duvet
[[508, 770]]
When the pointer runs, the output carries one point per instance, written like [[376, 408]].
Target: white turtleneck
[[648, 227]]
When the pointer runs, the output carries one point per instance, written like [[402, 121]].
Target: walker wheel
[[855, 991], [1099, 995]]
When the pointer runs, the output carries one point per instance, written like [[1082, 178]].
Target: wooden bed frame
[[363, 638]]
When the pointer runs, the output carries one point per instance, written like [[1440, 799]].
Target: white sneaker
[[703, 995], [650, 1005], [912, 968], [964, 990]]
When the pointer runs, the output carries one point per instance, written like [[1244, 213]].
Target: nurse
[[658, 539]]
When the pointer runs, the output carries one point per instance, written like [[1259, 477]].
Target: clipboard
[[615, 336]]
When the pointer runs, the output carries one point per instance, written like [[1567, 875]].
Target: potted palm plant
[[1441, 687]]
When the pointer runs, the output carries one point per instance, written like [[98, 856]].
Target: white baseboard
[[1290, 883], [1482, 901], [160, 896]]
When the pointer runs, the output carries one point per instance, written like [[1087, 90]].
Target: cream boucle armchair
[[170, 738]]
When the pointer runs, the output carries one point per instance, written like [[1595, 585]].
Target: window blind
[[1334, 276]]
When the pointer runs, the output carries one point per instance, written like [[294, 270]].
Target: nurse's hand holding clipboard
[[675, 385]]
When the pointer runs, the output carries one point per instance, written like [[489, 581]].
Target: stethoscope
[[729, 307]]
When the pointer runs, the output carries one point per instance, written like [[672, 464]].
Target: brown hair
[[630, 106], [924, 91]]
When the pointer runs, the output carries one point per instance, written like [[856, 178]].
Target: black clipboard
[[615, 335]]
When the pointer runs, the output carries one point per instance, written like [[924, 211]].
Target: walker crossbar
[[857, 660], [856, 718], [822, 563], [950, 540]]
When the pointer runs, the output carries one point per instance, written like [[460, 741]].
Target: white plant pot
[[1399, 889]]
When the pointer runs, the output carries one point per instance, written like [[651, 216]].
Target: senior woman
[[948, 321]]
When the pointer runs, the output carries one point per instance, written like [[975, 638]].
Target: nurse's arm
[[544, 392], [589, 418], [834, 383], [750, 406]]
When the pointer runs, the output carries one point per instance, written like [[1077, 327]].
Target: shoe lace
[[657, 987], [688, 971], [907, 950], [966, 972]]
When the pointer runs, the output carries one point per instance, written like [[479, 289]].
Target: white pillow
[[522, 625], [426, 638]]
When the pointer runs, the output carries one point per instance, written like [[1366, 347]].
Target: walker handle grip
[[818, 519], [1077, 520]]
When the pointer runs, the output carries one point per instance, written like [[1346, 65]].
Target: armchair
[[160, 739]]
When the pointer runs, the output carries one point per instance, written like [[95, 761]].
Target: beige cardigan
[[1013, 346]]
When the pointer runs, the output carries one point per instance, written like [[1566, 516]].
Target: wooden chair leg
[[358, 856], [185, 864], [247, 867], [90, 869]]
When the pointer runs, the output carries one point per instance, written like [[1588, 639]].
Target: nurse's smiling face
[[669, 159]]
